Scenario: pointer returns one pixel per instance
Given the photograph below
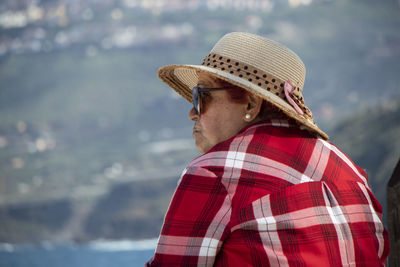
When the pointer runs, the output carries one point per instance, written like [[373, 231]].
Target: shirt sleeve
[[196, 221]]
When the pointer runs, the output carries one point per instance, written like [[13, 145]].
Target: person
[[393, 215], [269, 188]]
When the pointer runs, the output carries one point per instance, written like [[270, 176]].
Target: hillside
[[83, 116], [371, 139], [135, 209]]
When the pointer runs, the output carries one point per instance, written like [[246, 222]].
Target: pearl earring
[[247, 116]]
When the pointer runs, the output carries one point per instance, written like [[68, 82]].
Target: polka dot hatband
[[255, 63]]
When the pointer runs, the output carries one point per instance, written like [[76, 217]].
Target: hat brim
[[182, 78]]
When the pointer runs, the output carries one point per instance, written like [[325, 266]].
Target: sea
[[100, 253]]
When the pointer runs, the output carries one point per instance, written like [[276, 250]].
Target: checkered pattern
[[273, 196]]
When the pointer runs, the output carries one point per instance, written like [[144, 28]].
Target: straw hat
[[257, 64]]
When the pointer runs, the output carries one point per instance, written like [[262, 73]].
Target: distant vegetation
[[371, 139]]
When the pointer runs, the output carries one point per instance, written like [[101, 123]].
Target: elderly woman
[[269, 189]]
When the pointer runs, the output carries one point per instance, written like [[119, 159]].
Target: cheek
[[221, 125], [232, 122], [211, 125]]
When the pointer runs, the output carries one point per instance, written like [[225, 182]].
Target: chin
[[202, 144], [201, 148]]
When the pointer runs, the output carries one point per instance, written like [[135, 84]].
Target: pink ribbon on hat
[[289, 88]]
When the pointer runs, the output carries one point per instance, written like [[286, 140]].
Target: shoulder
[[254, 140]]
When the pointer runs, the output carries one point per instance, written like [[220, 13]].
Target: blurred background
[[92, 143]]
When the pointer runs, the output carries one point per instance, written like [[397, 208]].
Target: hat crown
[[261, 66], [263, 54]]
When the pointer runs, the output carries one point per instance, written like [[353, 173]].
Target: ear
[[253, 107]]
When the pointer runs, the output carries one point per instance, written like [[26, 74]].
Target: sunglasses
[[196, 96]]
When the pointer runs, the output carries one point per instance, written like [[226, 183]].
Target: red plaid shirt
[[273, 195]]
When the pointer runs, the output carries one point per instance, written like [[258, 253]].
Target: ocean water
[[99, 253]]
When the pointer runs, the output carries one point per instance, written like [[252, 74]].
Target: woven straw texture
[[254, 63], [263, 54]]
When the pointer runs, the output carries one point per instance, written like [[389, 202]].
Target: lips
[[196, 130]]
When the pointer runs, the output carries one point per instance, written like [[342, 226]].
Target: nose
[[193, 115]]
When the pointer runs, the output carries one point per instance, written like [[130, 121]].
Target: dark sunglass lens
[[195, 99]]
